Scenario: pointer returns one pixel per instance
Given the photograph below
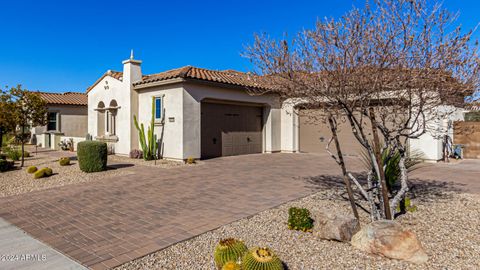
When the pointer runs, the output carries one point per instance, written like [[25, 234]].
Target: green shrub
[[13, 154], [5, 165], [227, 250], [299, 219], [261, 259], [64, 161], [32, 169], [92, 156]]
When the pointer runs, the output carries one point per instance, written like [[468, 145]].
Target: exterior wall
[[172, 129], [72, 120], [290, 127], [119, 91], [431, 143]]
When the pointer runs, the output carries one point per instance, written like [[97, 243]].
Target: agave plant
[[148, 143]]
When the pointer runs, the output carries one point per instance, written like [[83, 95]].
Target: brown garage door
[[314, 135], [229, 129]]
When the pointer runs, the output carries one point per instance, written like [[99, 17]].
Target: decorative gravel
[[447, 223], [162, 163], [19, 181]]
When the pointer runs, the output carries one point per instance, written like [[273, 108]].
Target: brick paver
[[109, 222]]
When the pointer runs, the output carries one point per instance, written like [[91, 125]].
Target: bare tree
[[390, 69]]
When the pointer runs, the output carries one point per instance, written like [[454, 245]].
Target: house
[[203, 113], [67, 119]]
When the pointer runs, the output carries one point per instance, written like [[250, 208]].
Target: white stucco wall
[[440, 123], [120, 92], [172, 143]]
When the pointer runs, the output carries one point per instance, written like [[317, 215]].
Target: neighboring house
[[203, 113], [67, 119]]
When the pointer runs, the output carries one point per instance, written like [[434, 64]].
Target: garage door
[[314, 135], [229, 129]]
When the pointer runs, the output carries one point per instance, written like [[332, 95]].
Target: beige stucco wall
[[72, 120]]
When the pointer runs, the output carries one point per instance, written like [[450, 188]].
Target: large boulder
[[334, 226], [388, 238]]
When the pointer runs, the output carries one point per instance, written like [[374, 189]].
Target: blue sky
[[60, 46]]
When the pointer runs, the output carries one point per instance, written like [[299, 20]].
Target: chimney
[[132, 71]]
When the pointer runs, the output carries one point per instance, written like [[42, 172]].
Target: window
[[111, 123], [158, 108], [52, 121]]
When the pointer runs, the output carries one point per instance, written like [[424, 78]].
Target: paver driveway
[[106, 223]]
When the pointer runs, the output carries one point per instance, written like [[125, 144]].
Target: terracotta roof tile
[[227, 77], [68, 98]]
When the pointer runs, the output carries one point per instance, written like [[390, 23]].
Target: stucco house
[[203, 113], [67, 119]]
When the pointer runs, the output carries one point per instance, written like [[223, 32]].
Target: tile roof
[[231, 77], [68, 98]]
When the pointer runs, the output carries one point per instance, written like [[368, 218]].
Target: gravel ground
[[162, 163], [19, 181], [447, 223]]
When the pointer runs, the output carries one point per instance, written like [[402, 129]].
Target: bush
[[92, 156], [64, 161], [13, 154], [44, 172], [5, 165], [190, 160], [32, 169], [3, 157], [135, 153], [299, 219]]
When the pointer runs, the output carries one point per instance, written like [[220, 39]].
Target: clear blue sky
[[61, 46]]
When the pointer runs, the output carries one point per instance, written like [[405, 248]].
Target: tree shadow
[[420, 189]]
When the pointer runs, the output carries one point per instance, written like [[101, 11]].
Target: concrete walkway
[[19, 251]]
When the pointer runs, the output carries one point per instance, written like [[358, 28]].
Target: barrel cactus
[[232, 266], [227, 250], [32, 169], [261, 259]]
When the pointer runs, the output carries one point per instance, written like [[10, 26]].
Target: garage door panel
[[240, 129], [314, 135]]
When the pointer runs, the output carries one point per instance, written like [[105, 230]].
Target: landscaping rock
[[334, 226], [387, 238]]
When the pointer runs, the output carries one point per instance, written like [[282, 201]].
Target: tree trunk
[[403, 182], [1, 139], [333, 129], [378, 156], [22, 141]]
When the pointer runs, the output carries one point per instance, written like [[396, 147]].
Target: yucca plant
[[391, 161], [148, 143]]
